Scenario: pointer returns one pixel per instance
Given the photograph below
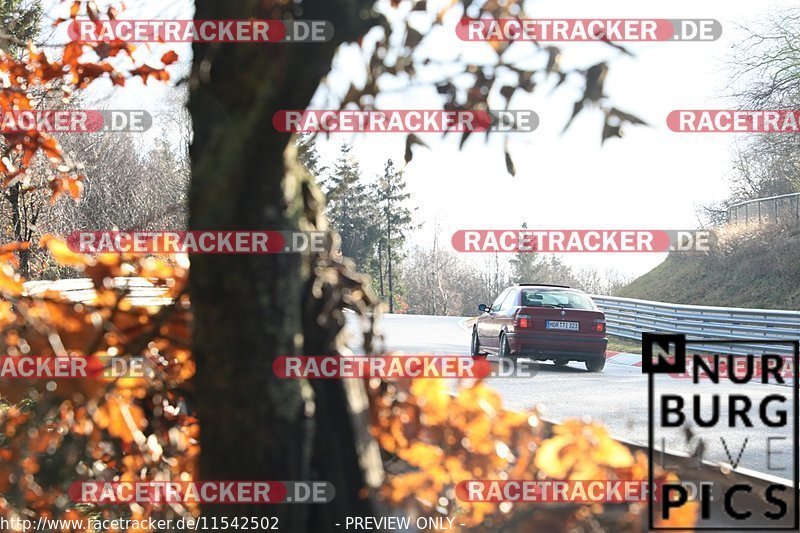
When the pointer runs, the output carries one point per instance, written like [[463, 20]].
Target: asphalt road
[[617, 397]]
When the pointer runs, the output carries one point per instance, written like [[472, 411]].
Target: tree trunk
[[380, 266], [19, 225], [435, 271], [248, 308], [389, 248], [389, 273]]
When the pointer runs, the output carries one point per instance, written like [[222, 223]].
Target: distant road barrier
[[628, 318], [785, 207], [625, 317], [140, 291]]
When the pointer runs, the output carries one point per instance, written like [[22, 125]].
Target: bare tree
[[765, 74], [128, 187], [767, 62]]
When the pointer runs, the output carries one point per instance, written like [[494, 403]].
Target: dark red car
[[543, 322]]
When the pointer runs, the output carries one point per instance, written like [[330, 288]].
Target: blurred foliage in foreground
[[60, 431]]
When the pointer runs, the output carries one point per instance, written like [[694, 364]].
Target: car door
[[505, 315], [486, 327]]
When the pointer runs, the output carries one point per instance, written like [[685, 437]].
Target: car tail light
[[599, 326], [523, 321]]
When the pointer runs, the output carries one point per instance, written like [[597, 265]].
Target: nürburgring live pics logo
[[753, 398]]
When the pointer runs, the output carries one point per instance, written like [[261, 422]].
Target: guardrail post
[[783, 206]]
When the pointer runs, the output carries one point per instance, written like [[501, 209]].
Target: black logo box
[[679, 365]]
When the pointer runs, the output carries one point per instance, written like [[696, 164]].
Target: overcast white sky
[[653, 178]]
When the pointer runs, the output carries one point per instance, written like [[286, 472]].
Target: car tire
[[504, 350], [560, 362], [475, 345], [596, 364]]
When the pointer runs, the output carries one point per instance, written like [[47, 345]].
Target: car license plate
[[557, 324]]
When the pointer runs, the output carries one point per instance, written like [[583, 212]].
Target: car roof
[[541, 285], [544, 286]]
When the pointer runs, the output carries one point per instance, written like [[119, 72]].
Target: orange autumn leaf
[[75, 188], [50, 147], [405, 486], [7, 316], [169, 58], [120, 418], [72, 52], [433, 397], [424, 456], [480, 398], [6, 249], [581, 451], [146, 72], [62, 254], [10, 282]]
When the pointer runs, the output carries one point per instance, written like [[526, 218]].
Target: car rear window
[[556, 298]]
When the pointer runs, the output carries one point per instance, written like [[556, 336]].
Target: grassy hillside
[[748, 267]]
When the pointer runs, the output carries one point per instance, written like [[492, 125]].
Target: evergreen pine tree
[[351, 209], [395, 223]]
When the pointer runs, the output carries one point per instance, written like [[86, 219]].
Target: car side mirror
[[483, 308]]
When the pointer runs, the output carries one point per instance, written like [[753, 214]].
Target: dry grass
[[748, 266]]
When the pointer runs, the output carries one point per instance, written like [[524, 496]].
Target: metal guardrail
[[785, 207], [141, 292], [625, 317], [628, 318]]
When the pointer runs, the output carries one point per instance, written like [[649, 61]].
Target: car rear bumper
[[548, 346]]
